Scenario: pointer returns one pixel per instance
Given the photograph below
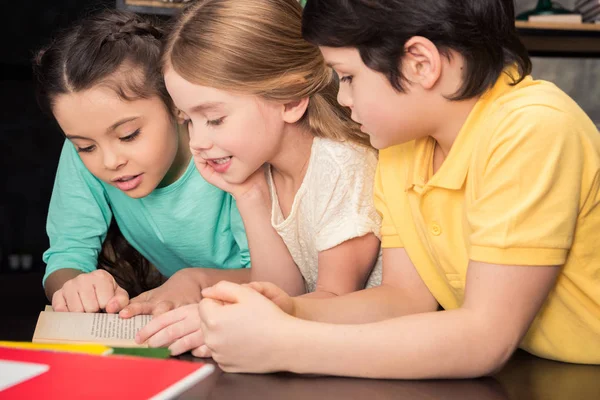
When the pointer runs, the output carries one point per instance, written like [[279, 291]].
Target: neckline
[[178, 183], [275, 206]]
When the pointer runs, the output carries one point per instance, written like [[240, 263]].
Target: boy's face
[[386, 115]]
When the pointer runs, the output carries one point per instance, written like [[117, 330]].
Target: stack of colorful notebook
[[31, 371]]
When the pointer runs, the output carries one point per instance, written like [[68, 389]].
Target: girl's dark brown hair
[[129, 268], [120, 50]]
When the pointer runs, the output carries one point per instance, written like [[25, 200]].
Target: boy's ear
[[294, 110], [421, 63]]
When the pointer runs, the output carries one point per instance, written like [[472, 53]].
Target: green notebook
[[142, 352]]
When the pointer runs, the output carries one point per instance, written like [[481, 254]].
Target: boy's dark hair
[[482, 31], [91, 51]]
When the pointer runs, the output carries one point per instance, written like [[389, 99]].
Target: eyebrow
[[206, 106], [121, 122], [111, 128]]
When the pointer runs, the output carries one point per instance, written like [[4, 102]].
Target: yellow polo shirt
[[520, 186]]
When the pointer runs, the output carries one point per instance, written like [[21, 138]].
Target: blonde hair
[[256, 47]]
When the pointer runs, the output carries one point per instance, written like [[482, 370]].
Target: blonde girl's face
[[127, 144], [233, 133]]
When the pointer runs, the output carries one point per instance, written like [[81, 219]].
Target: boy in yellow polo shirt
[[489, 189]]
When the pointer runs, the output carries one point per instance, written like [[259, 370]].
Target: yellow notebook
[[92, 349]]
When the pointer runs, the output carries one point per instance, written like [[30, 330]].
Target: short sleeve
[[389, 234], [523, 207], [78, 216], [345, 208]]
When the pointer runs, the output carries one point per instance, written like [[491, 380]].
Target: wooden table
[[525, 377]]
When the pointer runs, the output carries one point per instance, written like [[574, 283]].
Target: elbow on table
[[497, 356]]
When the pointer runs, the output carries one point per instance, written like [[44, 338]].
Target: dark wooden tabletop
[[524, 377]]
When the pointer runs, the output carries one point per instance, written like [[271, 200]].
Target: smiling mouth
[[220, 161]]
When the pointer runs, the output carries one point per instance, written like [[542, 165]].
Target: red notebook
[[53, 375]]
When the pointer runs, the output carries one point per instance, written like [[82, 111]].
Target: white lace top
[[334, 204]]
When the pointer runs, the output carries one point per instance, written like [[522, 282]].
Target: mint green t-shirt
[[189, 223]]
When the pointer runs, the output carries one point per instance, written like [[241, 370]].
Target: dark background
[[30, 144]]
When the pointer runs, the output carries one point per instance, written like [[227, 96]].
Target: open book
[[102, 328]]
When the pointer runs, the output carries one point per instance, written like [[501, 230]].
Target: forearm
[[271, 260], [57, 279], [446, 344], [319, 294], [365, 306], [207, 277]]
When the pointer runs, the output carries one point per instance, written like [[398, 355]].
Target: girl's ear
[[293, 111]]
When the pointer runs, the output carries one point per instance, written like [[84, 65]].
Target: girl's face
[[128, 144], [235, 134]]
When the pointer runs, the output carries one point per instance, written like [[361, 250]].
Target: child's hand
[[180, 289], [90, 292], [179, 330], [275, 294], [255, 182], [244, 330]]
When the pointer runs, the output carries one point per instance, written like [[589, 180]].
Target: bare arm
[[345, 268], [271, 259], [500, 303], [402, 292], [206, 277]]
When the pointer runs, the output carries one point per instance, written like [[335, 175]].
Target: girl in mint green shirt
[[126, 158]]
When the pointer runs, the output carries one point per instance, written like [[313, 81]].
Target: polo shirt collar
[[453, 172]]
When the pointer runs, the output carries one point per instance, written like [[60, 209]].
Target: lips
[[129, 182], [220, 165]]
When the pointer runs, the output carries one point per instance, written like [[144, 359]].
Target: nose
[[113, 160], [344, 97], [198, 141]]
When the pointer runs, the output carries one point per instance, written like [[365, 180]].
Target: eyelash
[[215, 122], [127, 138], [346, 79], [88, 149], [131, 137]]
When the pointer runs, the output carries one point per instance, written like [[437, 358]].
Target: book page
[[107, 329]]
